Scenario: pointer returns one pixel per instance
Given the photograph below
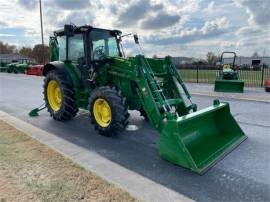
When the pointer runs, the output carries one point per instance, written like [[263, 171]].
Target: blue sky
[[165, 27]]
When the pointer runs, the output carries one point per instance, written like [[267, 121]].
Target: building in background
[[15, 57], [248, 61]]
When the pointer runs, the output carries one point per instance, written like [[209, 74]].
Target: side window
[[112, 47], [62, 48], [75, 47]]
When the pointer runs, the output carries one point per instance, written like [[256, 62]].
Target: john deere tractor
[[18, 67], [88, 70], [228, 77]]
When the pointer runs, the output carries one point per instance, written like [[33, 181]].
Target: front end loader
[[88, 70], [228, 77]]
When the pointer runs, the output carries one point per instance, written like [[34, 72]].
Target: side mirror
[[136, 38], [69, 30]]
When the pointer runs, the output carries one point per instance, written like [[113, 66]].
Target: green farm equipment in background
[[89, 70], [228, 77], [18, 67], [3, 65]]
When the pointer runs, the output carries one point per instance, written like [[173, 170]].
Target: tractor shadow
[[137, 150]]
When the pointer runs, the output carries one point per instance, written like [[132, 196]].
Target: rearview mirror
[[136, 38]]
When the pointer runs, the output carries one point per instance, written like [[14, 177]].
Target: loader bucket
[[198, 140], [236, 86]]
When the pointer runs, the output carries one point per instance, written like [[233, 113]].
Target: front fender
[[56, 65]]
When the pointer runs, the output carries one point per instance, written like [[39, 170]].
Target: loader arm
[[156, 103]]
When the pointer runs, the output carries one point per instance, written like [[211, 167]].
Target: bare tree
[[211, 58], [255, 54], [26, 51], [38, 52], [155, 56], [5, 48]]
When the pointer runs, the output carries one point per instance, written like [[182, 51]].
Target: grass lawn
[[31, 171], [251, 78]]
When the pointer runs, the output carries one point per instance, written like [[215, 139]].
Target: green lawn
[[251, 78]]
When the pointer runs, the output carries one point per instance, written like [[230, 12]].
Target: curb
[[138, 186], [232, 97]]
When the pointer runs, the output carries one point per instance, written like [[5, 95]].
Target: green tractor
[[18, 67], [228, 77], [88, 70], [11, 67]]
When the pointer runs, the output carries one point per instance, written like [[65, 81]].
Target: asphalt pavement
[[243, 175]]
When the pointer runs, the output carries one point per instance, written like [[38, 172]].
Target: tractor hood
[[121, 62]]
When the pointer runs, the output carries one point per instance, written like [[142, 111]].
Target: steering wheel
[[99, 52]]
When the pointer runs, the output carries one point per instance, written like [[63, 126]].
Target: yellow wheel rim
[[54, 95], [102, 112]]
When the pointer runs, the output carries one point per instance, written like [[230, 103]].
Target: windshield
[[103, 44]]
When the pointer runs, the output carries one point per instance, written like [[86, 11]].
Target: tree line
[[39, 53], [211, 58]]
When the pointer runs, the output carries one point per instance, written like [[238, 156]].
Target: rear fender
[[68, 71], [65, 70]]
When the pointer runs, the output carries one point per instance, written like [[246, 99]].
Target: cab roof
[[84, 28]]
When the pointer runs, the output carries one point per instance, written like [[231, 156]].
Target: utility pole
[[41, 26], [264, 52]]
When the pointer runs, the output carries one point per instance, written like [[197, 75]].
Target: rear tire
[[108, 102], [66, 108]]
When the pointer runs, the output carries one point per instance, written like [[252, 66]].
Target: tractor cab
[[24, 61], [85, 47], [87, 43]]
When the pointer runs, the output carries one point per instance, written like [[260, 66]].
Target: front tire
[[108, 110], [59, 96]]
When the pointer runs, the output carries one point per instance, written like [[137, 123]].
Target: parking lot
[[243, 175]]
